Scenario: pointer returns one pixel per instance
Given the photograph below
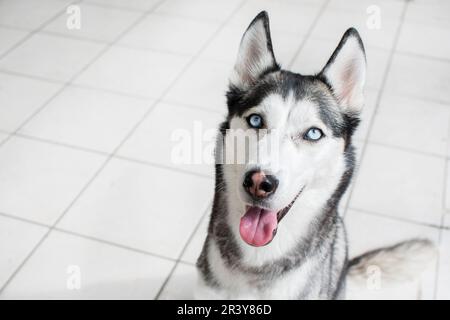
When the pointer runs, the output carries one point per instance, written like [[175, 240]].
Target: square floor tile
[[88, 118], [102, 271], [367, 232], [333, 24], [425, 39], [51, 57], [400, 184], [39, 180], [93, 22], [169, 129], [20, 97], [316, 52], [9, 38], [138, 72], [173, 34], [181, 284], [204, 84], [29, 14], [224, 47], [142, 207], [17, 240], [314, 55], [195, 246], [443, 281], [206, 9], [412, 123], [141, 5], [285, 16], [428, 11], [419, 77]]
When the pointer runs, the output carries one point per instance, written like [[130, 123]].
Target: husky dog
[[275, 231]]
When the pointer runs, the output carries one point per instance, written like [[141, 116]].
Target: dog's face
[[298, 127]]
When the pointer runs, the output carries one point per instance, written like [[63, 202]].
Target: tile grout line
[[183, 250], [422, 56], [441, 230], [398, 219], [84, 236], [25, 220], [377, 104], [403, 149], [106, 154], [30, 77], [105, 49], [58, 143], [161, 166], [308, 33], [114, 244], [15, 28], [106, 42], [109, 6]]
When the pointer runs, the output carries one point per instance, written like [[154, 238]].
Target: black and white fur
[[307, 259]]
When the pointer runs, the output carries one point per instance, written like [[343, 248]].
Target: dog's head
[[302, 128]]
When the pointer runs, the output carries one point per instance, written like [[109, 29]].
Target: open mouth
[[259, 225]]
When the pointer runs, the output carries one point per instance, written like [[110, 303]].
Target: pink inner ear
[[250, 62], [346, 72], [348, 91], [348, 82]]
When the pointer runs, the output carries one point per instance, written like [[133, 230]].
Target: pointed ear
[[345, 71], [255, 57]]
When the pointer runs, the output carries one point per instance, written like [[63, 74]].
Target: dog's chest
[[240, 284]]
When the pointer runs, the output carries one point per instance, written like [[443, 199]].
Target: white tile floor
[[86, 118]]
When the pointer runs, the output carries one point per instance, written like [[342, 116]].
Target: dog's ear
[[345, 71], [255, 57]]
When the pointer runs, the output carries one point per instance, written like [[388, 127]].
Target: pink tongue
[[257, 226]]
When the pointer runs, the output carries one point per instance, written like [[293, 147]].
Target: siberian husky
[[275, 231]]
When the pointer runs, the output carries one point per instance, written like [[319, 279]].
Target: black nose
[[260, 185], [268, 185]]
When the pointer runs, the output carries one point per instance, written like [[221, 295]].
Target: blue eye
[[255, 121], [313, 134]]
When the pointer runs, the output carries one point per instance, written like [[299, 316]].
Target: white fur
[[402, 269], [238, 286]]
